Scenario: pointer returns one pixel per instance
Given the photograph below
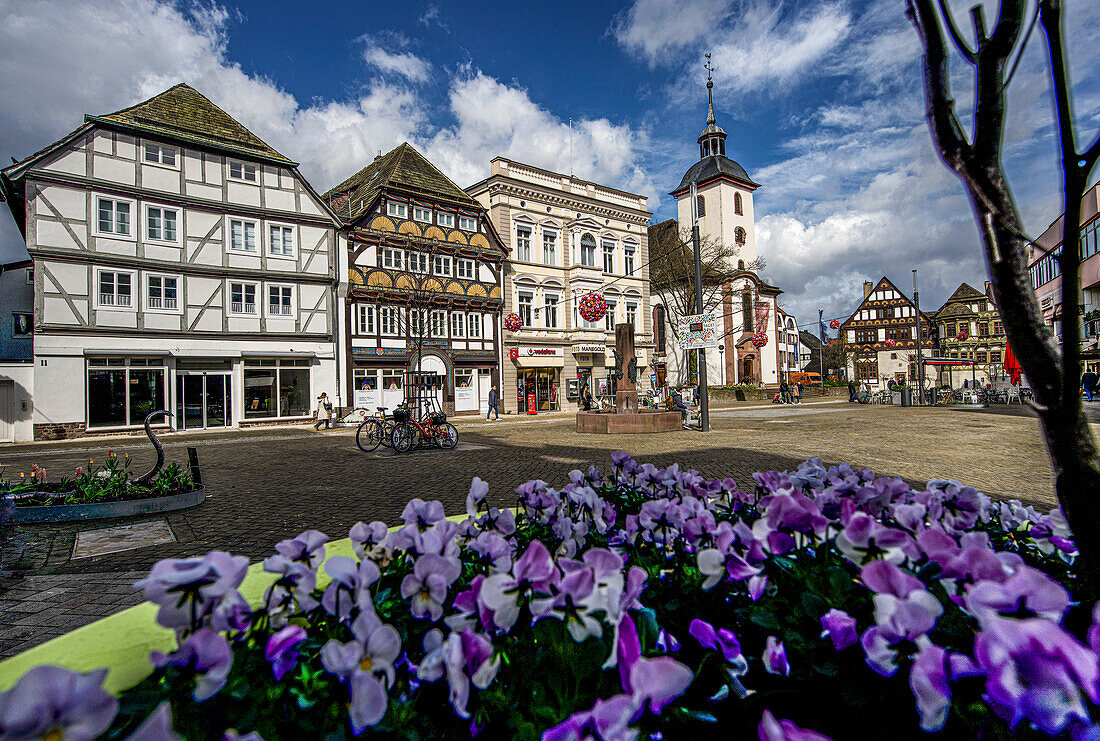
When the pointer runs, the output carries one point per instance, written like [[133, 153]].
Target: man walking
[[784, 392], [1089, 380], [851, 390], [494, 401]]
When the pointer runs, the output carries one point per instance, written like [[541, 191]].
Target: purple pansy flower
[[208, 653], [364, 538], [53, 702], [282, 649], [359, 662], [725, 641], [307, 548], [1027, 593], [771, 729], [157, 726], [903, 607], [533, 571], [840, 627], [350, 585], [775, 657], [188, 589], [422, 514], [427, 584]]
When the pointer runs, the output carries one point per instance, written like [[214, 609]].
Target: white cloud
[[653, 28], [403, 63]]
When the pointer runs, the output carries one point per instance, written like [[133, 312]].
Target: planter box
[[106, 510]]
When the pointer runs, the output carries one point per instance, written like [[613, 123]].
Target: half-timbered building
[[180, 263], [970, 328], [424, 286], [879, 336]]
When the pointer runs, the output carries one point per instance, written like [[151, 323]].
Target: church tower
[[723, 190]]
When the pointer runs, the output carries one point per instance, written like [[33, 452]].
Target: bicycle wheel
[[448, 436], [368, 435], [403, 438]]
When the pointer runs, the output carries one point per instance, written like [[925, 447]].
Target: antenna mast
[[570, 146]]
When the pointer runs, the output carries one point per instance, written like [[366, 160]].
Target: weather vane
[[709, 68]]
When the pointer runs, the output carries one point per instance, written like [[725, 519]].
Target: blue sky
[[821, 100]]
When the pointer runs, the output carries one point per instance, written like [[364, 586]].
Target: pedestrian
[[1089, 380], [494, 402], [678, 404], [798, 393], [585, 399], [324, 412], [695, 395], [784, 392], [851, 390]]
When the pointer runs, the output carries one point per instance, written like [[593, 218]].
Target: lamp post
[[704, 405], [916, 321]]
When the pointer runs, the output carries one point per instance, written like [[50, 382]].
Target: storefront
[[591, 373], [538, 377]]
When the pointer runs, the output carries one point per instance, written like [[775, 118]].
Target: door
[[203, 400], [7, 411], [466, 390], [366, 395], [484, 383], [217, 399]]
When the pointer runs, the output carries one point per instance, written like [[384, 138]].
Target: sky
[[821, 99]]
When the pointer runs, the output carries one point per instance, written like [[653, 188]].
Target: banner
[[697, 331], [763, 310]]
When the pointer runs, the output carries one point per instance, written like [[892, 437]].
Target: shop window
[[276, 388], [123, 391], [392, 380]]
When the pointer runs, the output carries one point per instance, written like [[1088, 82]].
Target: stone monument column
[[626, 370]]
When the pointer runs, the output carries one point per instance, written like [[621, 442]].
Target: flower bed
[[649, 602], [97, 484]]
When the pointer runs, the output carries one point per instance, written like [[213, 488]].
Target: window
[[243, 171], [279, 300], [523, 243], [746, 310], [609, 317], [276, 388], [659, 329], [737, 206], [981, 356], [458, 324], [242, 298], [1090, 239], [366, 319], [473, 325], [526, 298], [439, 324], [588, 250], [550, 310], [22, 324], [608, 257], [242, 235], [983, 329], [280, 240], [115, 289], [161, 292], [866, 336], [628, 259], [467, 223], [114, 217], [160, 224], [420, 213], [123, 391], [997, 328], [391, 258], [30, 276], [1046, 268], [418, 322], [390, 319], [160, 155], [949, 331], [700, 206], [444, 219], [739, 235], [549, 248], [465, 268], [995, 356], [418, 262], [631, 313], [899, 333], [442, 265], [394, 208]]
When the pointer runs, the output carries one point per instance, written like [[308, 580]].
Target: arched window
[[737, 207], [588, 250], [740, 264], [659, 329], [739, 235], [746, 309], [700, 206]]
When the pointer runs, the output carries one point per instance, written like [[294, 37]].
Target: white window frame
[[553, 236], [245, 168], [160, 150], [393, 258], [389, 320], [527, 307], [268, 226], [229, 236], [583, 250], [99, 305], [163, 209], [395, 208], [630, 315], [467, 224], [473, 326], [630, 253], [422, 214], [445, 218], [365, 319], [418, 319], [256, 294], [458, 324], [438, 326], [522, 256], [441, 265], [460, 263], [162, 309], [268, 306], [609, 317], [605, 252], [551, 302], [421, 260], [130, 236]]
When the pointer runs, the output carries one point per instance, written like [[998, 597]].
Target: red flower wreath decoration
[[891, 343], [759, 340], [592, 307], [834, 324], [962, 336], [513, 322]]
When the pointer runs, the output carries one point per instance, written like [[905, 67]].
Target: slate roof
[[401, 169], [711, 167], [951, 311], [809, 339], [965, 292], [184, 114]]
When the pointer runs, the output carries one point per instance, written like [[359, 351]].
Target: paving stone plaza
[[267, 485]]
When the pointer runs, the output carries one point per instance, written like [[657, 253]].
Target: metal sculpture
[[142, 480]]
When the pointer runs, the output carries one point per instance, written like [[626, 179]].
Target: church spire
[[712, 141]]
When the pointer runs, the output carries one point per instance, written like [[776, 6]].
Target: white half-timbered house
[[180, 263]]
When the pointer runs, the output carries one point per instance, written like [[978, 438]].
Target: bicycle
[[377, 430], [433, 428]]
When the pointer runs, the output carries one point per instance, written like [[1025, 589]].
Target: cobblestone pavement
[[271, 484]]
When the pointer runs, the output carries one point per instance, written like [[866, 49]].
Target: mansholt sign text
[[590, 348]]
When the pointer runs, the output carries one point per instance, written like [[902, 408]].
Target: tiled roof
[[402, 169], [966, 292], [809, 339], [183, 113], [950, 311]]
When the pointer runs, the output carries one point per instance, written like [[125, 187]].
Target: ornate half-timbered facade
[[970, 328], [880, 338], [180, 263], [424, 286]]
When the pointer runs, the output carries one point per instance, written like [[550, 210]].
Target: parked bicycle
[[379, 429], [431, 429]]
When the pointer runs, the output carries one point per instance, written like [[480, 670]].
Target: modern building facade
[[880, 336], [425, 269], [179, 263], [566, 237], [1046, 279], [969, 327]]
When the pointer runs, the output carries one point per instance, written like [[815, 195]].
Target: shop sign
[[598, 349], [542, 352]]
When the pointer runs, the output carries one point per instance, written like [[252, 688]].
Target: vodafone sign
[[541, 352]]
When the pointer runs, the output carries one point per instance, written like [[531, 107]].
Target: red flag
[[1012, 366]]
